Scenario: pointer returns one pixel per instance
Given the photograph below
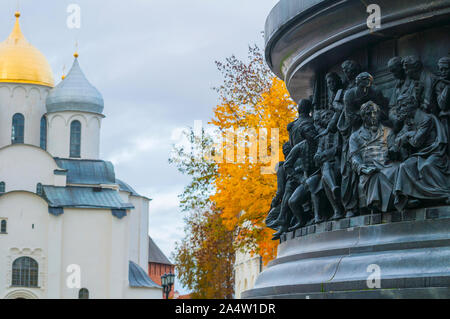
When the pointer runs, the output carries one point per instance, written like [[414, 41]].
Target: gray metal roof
[[84, 197], [155, 255], [75, 93], [91, 172], [138, 278]]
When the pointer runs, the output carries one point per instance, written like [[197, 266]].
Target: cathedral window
[[75, 139], [2, 187], [18, 128], [43, 142], [3, 227], [83, 293], [25, 272]]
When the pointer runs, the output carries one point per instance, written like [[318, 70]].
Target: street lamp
[[167, 281]]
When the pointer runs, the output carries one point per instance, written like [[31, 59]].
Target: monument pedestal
[[393, 255], [327, 50]]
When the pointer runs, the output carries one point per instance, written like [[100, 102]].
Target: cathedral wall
[[119, 258], [27, 99], [27, 235], [91, 240], [22, 167], [86, 237], [142, 293], [59, 133], [95, 240], [138, 245]]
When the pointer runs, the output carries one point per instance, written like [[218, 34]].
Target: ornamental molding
[[35, 253]]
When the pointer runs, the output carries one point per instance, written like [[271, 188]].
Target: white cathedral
[[68, 227]]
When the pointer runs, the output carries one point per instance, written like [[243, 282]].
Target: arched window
[[39, 189], [75, 139], [44, 132], [3, 226], [2, 187], [25, 272], [18, 128], [83, 293]]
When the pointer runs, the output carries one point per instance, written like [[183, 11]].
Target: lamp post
[[167, 281]]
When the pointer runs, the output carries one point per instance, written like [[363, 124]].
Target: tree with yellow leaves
[[256, 108], [204, 258], [230, 192]]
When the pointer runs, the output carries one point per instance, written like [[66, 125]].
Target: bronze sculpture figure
[[275, 206], [361, 152], [425, 172], [370, 149]]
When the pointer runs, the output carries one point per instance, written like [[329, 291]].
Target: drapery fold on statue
[[426, 173]]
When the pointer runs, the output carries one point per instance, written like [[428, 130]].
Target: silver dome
[[75, 93]]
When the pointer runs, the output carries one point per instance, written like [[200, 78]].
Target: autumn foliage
[[251, 99], [204, 258], [233, 182]]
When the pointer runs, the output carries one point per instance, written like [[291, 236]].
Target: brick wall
[[155, 271]]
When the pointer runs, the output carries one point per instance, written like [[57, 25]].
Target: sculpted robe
[[294, 129], [350, 121], [301, 166], [370, 149], [394, 107], [442, 97], [330, 148], [426, 82], [276, 201], [425, 174]]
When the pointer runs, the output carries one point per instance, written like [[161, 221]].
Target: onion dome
[[75, 93], [20, 62]]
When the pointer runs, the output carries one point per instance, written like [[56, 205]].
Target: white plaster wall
[[22, 167], [138, 230], [246, 270], [143, 262], [27, 99], [133, 241], [27, 235], [86, 238], [119, 259], [58, 143], [143, 293], [91, 238]]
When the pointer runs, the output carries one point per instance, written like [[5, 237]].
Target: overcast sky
[[153, 61]]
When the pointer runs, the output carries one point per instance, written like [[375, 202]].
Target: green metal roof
[[84, 197], [91, 172], [138, 278]]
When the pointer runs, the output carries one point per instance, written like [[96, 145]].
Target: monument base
[[393, 255]]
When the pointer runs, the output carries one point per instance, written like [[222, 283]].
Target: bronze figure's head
[[370, 113], [334, 81], [364, 80], [408, 106], [413, 67], [351, 69], [304, 107], [395, 66]]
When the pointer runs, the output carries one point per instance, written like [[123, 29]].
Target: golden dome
[[20, 62]]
